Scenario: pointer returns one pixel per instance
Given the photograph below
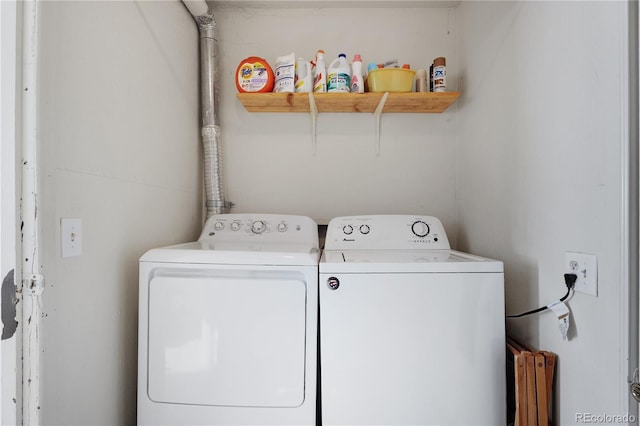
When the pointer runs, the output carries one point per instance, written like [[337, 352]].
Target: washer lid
[[235, 254], [399, 261]]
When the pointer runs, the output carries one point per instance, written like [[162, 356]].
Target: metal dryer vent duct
[[214, 190]]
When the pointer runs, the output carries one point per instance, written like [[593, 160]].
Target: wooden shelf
[[305, 4], [411, 102], [375, 103]]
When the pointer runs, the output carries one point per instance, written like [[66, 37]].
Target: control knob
[[420, 228], [258, 227]]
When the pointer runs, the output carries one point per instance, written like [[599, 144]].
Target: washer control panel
[[267, 228], [391, 232]]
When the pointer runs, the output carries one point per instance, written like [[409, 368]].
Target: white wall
[[527, 164], [119, 139], [540, 172], [8, 206], [269, 165]]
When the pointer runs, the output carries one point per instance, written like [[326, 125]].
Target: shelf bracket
[[313, 110], [378, 115]]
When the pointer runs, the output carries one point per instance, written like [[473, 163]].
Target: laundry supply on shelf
[[303, 81], [422, 82], [339, 75], [439, 75], [300, 75], [285, 74], [254, 75], [357, 85], [320, 73]]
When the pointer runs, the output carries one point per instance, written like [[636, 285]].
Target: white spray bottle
[[320, 75], [357, 85]]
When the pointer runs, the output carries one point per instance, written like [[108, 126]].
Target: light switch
[[71, 236]]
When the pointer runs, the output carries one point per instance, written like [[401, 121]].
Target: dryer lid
[[235, 254]]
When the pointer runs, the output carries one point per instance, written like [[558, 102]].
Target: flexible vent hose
[[213, 170], [214, 190]]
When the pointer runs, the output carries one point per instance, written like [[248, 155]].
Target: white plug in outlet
[[585, 266], [71, 236]]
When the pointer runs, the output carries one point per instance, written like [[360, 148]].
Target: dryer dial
[[258, 227], [420, 228], [347, 229]]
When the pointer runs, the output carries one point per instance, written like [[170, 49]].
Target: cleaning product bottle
[[303, 81], [357, 85], [422, 85], [339, 75], [320, 77]]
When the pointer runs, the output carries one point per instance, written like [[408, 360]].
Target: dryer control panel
[[263, 228], [388, 232]]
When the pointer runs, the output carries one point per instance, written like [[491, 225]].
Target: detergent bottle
[[357, 85], [339, 75], [254, 75], [303, 80]]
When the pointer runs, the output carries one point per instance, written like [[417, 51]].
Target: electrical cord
[[570, 282]]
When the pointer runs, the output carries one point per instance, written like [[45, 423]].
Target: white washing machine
[[228, 325], [411, 332]]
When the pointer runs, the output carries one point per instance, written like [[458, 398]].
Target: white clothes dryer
[[228, 325], [411, 332]]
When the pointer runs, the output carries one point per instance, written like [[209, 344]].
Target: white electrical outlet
[[585, 266], [71, 236]]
